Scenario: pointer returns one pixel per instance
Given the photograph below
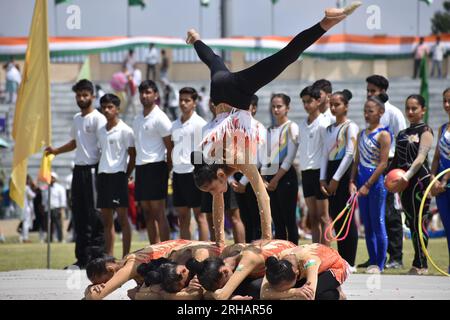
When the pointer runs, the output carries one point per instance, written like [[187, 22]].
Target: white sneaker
[[373, 269], [353, 269]]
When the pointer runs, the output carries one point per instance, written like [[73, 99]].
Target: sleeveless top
[[369, 148], [330, 261]]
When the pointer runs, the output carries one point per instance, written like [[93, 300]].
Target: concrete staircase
[[64, 107]]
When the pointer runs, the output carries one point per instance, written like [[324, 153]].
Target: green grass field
[[19, 256]]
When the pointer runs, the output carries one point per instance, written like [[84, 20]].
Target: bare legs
[[184, 217], [318, 214], [156, 221], [108, 223]]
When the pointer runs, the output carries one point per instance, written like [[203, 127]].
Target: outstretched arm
[[249, 262], [98, 292], [251, 172], [219, 219]]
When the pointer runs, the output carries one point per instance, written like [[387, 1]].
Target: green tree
[[440, 23]]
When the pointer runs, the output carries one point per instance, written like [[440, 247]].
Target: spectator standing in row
[[86, 219], [152, 59], [187, 136], [153, 141], [116, 141]]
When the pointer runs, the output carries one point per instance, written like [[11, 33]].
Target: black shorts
[[229, 198], [185, 192], [311, 184], [151, 181], [112, 190]]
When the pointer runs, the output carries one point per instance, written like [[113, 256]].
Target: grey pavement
[[70, 285]]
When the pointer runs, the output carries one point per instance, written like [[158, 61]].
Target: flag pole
[[49, 217], [418, 18]]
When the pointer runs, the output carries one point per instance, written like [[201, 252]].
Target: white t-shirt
[[439, 52], [58, 197], [394, 120], [329, 116], [186, 137], [152, 56], [84, 132], [311, 139], [149, 132], [114, 146]]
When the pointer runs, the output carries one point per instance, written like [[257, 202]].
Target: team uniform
[[372, 206], [187, 137], [283, 141], [311, 137], [443, 200], [151, 166], [407, 147], [337, 158], [112, 178]]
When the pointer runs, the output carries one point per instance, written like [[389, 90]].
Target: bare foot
[[342, 295], [192, 36], [335, 15]]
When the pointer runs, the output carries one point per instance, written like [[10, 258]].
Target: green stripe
[[327, 56]]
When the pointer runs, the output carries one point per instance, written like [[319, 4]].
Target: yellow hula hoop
[[422, 204]]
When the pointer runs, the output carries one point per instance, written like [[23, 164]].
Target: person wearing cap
[[58, 204]]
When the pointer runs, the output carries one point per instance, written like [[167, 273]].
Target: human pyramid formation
[[272, 268]]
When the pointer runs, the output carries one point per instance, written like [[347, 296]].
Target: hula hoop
[[351, 204], [422, 205]]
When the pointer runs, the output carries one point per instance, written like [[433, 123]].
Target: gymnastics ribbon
[[348, 211], [422, 205]]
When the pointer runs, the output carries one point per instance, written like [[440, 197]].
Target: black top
[[407, 146]]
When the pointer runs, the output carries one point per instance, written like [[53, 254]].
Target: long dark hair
[[97, 267]]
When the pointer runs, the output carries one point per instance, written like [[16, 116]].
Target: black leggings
[[411, 198], [283, 203], [347, 247], [238, 87], [326, 286]]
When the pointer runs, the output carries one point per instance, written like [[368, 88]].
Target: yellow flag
[[45, 171], [32, 119]]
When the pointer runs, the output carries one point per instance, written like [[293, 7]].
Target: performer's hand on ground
[[192, 36], [241, 298], [132, 293], [194, 284], [305, 292]]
